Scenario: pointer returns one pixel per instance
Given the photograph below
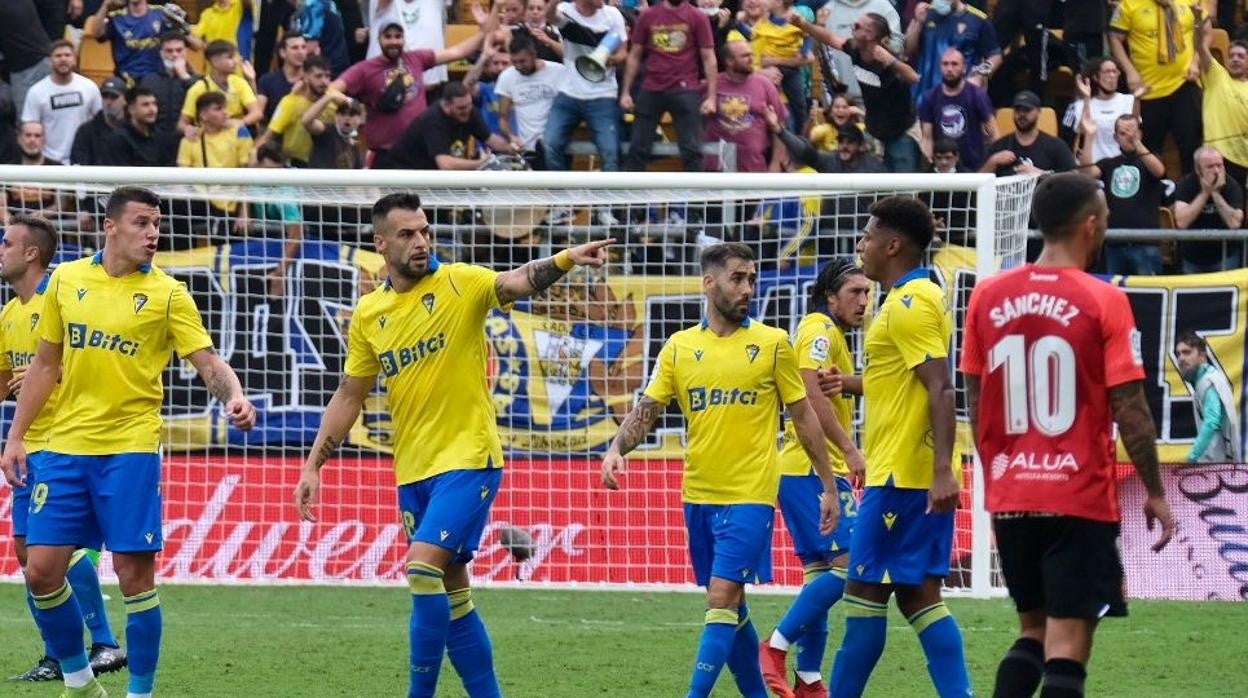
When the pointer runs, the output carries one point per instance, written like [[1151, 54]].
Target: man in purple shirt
[[740, 114], [671, 37], [958, 109]]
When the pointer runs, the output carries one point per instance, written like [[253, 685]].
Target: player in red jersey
[[1052, 360]]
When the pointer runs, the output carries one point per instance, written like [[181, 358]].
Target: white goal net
[[276, 260]]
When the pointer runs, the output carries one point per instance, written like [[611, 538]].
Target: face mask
[[351, 134], [168, 63], [942, 7]]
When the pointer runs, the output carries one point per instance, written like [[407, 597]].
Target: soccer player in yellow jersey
[[422, 332], [731, 377], [25, 252], [904, 532], [107, 327], [838, 301]]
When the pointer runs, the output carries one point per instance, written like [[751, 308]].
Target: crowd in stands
[[1149, 96]]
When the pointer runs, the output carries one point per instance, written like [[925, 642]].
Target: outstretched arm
[[223, 383], [541, 274], [633, 431], [340, 414]]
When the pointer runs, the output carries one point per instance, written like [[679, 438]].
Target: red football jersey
[[1048, 343]]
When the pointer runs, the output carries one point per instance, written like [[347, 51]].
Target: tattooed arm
[[340, 414], [223, 384], [637, 424], [1139, 436], [541, 274]]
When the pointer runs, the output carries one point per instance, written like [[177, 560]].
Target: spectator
[[526, 91], [227, 20], [673, 39], [961, 110], [54, 16], [336, 146], [885, 81], [1099, 100], [392, 86], [276, 16], [25, 47], [481, 80], [740, 115], [31, 145], [839, 17], [31, 199], [954, 210], [850, 156], [583, 24], [62, 102], [354, 28], [287, 124], [1153, 43], [91, 136], [946, 24], [1226, 103], [423, 25], [1032, 51], [1133, 186], [544, 34], [1209, 200], [448, 136], [220, 142], [722, 22], [1027, 150], [171, 82], [325, 33], [292, 51], [841, 112], [1084, 25], [946, 156], [282, 217], [135, 35], [779, 44], [138, 143], [240, 99]]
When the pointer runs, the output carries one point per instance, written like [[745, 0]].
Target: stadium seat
[[1005, 121], [1166, 218], [1220, 44], [95, 58]]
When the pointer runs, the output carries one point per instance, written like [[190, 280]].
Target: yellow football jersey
[[820, 344], [913, 326], [428, 345], [776, 40], [19, 337], [731, 390], [116, 336]]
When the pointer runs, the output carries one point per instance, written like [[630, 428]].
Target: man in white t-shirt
[[584, 24], [424, 27], [529, 86], [62, 102]]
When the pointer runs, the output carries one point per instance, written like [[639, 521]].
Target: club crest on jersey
[[697, 354], [751, 350], [428, 300], [81, 292], [34, 320], [140, 300]]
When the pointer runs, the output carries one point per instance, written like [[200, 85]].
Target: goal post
[[276, 287]]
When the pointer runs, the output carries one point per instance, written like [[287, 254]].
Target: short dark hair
[[123, 195], [405, 200], [908, 217], [830, 279], [1126, 117], [171, 36], [945, 144], [880, 24], [453, 90], [42, 235], [716, 256], [209, 99], [1193, 340], [1061, 200], [1238, 43], [60, 43], [219, 47], [287, 37], [522, 43], [270, 151], [317, 63], [137, 91]]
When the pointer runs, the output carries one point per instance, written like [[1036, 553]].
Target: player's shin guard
[[428, 628], [718, 634], [743, 657], [86, 584], [942, 643], [469, 647], [866, 628], [1020, 671], [60, 620], [806, 621], [144, 625], [1063, 678]]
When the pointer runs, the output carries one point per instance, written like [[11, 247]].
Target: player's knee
[[136, 572], [722, 593], [44, 576]]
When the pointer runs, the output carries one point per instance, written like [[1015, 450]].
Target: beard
[[952, 82], [730, 311]]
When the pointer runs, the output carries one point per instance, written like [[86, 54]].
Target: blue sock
[[144, 624], [30, 603], [942, 643], [60, 621], [86, 584], [806, 621], [866, 629], [718, 633], [428, 628], [470, 649], [743, 657], [812, 644]]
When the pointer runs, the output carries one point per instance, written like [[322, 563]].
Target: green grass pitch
[[318, 641]]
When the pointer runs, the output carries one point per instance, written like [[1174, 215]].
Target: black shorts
[[1066, 566]]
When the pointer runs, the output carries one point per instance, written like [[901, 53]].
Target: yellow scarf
[[1169, 31]]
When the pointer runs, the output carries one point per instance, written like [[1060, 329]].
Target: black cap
[[849, 132], [1027, 100], [113, 85]]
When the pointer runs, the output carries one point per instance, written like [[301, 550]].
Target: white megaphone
[[593, 66]]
